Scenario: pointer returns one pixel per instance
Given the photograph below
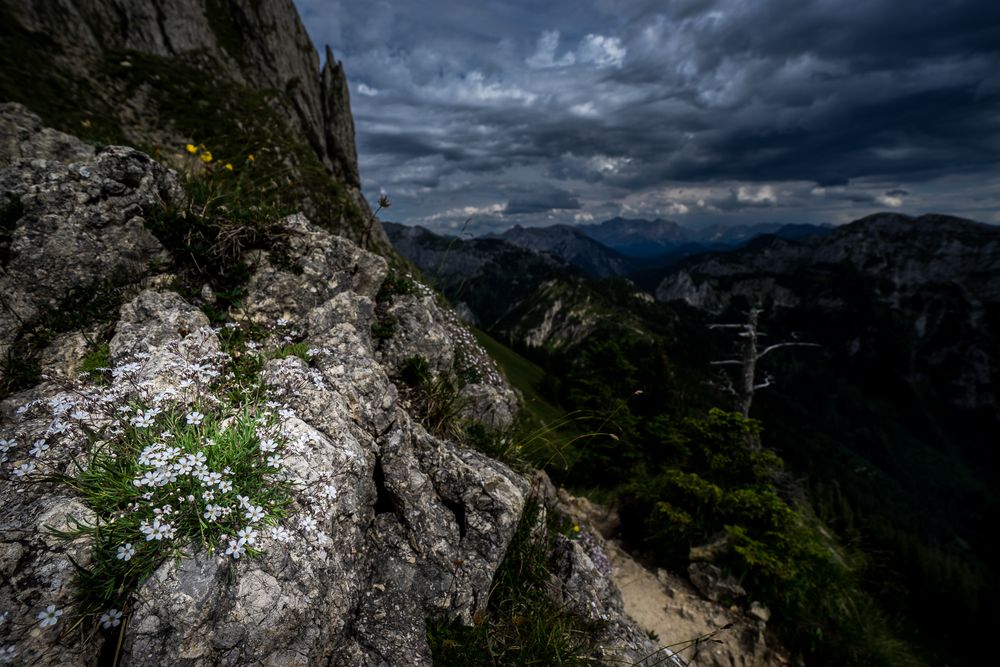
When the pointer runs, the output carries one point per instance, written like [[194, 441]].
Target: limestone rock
[[389, 525], [80, 224]]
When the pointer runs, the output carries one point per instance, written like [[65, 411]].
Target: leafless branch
[[771, 348]]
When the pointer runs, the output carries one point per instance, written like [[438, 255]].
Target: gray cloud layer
[[702, 111]]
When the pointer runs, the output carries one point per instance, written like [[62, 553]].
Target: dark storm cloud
[[689, 107], [540, 200]]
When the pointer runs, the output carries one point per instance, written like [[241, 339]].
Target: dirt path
[[669, 606]]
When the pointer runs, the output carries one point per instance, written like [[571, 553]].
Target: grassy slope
[[524, 376]]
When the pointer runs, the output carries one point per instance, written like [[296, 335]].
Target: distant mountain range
[[938, 274], [621, 247], [489, 275], [572, 246], [483, 277], [656, 238]]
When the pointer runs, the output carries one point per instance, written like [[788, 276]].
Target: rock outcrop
[[387, 525], [88, 48]]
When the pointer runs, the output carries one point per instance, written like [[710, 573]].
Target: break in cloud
[[697, 110]]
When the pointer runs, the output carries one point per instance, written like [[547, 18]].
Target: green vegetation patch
[[169, 479], [247, 129]]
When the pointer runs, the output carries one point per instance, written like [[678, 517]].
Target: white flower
[[280, 533], [141, 421], [39, 447], [24, 469], [126, 551], [157, 530], [50, 616], [58, 426], [236, 549], [247, 535], [80, 415], [312, 352], [194, 418], [282, 322], [254, 513], [184, 466], [308, 523], [5, 445], [274, 461], [199, 458], [111, 619], [286, 413], [208, 496], [149, 478], [330, 491], [268, 445], [225, 486], [212, 512]]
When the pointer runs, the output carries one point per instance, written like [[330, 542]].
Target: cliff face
[[117, 71]]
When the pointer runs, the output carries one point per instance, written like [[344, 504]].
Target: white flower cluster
[[169, 464], [170, 426]]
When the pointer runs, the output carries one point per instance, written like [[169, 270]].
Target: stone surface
[[261, 45], [81, 222], [667, 605], [711, 583]]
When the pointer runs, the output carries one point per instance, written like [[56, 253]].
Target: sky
[[479, 115]]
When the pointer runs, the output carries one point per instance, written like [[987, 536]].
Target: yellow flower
[[190, 148], [229, 167], [206, 157], [250, 157], [85, 123], [576, 528]]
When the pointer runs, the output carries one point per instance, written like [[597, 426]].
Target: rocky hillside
[[484, 278], [238, 78], [573, 247], [939, 275], [159, 446], [893, 417]]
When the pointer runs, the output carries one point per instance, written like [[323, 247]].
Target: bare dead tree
[[749, 352]]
